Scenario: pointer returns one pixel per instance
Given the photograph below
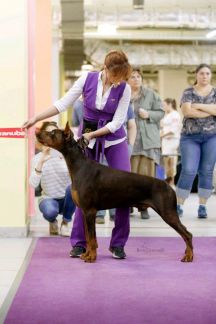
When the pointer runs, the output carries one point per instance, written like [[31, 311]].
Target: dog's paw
[[89, 257], [187, 258]]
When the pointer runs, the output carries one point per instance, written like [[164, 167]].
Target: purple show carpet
[[150, 286]]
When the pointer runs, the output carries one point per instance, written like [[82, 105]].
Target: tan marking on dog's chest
[[75, 197]]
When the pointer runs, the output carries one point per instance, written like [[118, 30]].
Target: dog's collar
[[72, 141], [86, 142]]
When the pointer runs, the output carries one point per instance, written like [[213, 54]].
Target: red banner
[[12, 132]]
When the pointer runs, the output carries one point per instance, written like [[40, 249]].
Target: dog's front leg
[[91, 242]]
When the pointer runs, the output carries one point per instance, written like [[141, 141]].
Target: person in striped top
[[50, 170]]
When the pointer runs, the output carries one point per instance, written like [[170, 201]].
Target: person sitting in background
[[148, 111], [50, 170], [170, 137]]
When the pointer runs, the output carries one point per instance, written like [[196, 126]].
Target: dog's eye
[[53, 132]]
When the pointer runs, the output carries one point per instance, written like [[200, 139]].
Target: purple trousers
[[118, 158]]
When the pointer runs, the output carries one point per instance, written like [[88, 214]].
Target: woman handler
[[106, 98]]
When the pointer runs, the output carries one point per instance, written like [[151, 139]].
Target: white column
[[13, 111]]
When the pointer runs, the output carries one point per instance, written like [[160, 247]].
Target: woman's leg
[[50, 209], [170, 164], [68, 206], [190, 147], [166, 165], [148, 166], [135, 162], [78, 232], [118, 158], [206, 168]]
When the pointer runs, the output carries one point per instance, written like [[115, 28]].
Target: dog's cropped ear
[[68, 132], [82, 143]]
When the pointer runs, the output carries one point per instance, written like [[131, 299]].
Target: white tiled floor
[[154, 226], [13, 251], [12, 255]]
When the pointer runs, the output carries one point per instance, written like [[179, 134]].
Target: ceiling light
[[211, 34], [138, 4], [106, 29]]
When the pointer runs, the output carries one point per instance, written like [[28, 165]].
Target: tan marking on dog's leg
[[75, 197], [91, 243]]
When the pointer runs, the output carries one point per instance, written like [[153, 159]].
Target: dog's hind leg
[[175, 223], [91, 242], [166, 207]]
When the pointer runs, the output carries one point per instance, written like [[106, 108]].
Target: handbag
[[89, 126]]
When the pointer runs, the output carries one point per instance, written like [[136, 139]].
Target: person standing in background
[[198, 139], [77, 113], [170, 137], [148, 111]]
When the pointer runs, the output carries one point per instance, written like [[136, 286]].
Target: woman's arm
[[207, 108], [173, 125], [118, 118], [37, 165], [60, 105], [156, 113], [52, 111], [131, 131], [99, 132], [164, 134], [190, 112]]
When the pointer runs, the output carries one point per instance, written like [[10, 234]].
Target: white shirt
[[171, 123], [54, 177], [121, 112]]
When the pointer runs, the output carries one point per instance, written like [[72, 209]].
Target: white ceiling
[[184, 22], [162, 14], [149, 4]]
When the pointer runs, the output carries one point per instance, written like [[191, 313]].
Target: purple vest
[[91, 113]]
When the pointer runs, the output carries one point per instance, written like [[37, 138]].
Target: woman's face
[[135, 80], [203, 76], [113, 79], [167, 107]]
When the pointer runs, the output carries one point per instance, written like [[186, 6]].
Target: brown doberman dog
[[96, 187]]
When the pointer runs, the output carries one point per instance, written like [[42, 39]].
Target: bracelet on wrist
[[38, 171]]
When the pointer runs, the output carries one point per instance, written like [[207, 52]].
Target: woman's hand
[[52, 111], [45, 154], [143, 113], [44, 157], [29, 123], [98, 133], [88, 136]]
